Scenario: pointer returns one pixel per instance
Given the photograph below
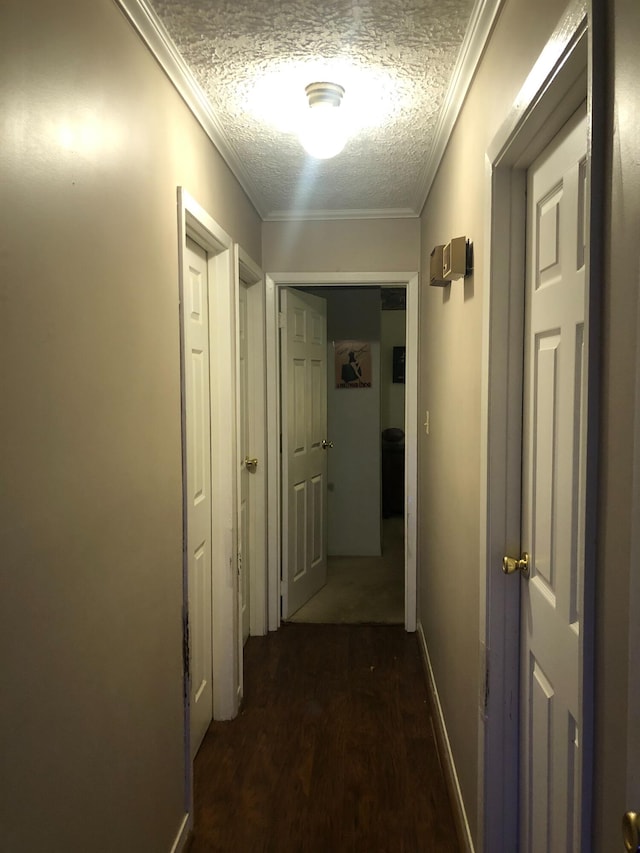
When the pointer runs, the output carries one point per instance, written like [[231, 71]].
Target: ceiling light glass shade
[[323, 133]]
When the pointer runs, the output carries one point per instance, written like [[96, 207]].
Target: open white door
[[304, 448], [198, 489], [553, 490]]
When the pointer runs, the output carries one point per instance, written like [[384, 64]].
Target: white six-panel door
[[304, 460], [198, 484], [553, 495]]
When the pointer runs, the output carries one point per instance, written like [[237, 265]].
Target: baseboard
[[444, 750], [183, 837]]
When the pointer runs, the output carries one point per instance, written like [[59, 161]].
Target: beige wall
[[617, 754], [450, 382], [94, 142], [353, 424], [393, 334], [358, 245]]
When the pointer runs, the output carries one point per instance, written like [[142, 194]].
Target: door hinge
[[483, 681], [485, 703], [282, 320], [186, 652]]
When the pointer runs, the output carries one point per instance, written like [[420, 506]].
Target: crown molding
[[481, 24], [163, 48], [161, 45], [365, 213]]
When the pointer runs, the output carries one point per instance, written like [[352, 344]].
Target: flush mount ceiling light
[[323, 133]]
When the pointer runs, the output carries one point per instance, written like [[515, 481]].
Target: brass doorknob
[[251, 464], [631, 832], [326, 445], [513, 564]]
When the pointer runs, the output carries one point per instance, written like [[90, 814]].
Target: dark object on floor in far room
[[392, 472]]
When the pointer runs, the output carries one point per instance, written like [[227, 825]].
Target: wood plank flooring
[[333, 750]]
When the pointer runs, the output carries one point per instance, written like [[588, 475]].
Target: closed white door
[[246, 466], [198, 489], [304, 447], [553, 496]]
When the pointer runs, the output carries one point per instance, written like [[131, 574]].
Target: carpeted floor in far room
[[362, 590]]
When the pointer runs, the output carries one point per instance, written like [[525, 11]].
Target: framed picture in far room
[[398, 364]]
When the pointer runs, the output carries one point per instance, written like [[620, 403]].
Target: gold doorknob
[[631, 832], [326, 445], [513, 564], [251, 464]]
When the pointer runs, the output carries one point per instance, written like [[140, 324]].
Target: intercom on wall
[[436, 278], [454, 258]]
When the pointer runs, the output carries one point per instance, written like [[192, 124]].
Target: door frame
[[557, 85], [194, 222], [274, 281], [248, 271]]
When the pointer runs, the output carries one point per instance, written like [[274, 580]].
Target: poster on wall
[[353, 364]]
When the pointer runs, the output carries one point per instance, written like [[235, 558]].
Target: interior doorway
[[409, 282], [366, 328], [555, 90]]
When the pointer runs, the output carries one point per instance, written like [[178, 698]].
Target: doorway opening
[[207, 370], [366, 327], [319, 281]]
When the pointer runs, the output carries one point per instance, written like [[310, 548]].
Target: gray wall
[[95, 141], [354, 507], [617, 711], [392, 334]]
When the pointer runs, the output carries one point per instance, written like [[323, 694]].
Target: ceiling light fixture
[[323, 133]]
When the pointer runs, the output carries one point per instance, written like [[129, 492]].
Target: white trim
[[182, 837], [195, 222], [248, 271], [444, 746], [155, 36], [554, 89], [273, 281], [252, 274], [477, 35], [360, 213]]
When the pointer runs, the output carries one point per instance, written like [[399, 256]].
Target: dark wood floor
[[333, 750]]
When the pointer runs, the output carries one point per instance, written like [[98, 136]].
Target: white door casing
[[198, 489], [252, 442], [553, 495], [553, 91], [195, 223], [304, 459]]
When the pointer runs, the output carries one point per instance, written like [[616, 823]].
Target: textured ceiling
[[395, 59]]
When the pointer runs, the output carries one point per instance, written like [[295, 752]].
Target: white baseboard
[[183, 835], [444, 748]]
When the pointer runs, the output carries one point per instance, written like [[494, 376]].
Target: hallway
[[333, 750]]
